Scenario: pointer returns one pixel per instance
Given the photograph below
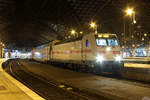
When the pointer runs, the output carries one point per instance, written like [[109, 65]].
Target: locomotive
[[100, 52]]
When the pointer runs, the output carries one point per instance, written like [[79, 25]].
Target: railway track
[[47, 89]]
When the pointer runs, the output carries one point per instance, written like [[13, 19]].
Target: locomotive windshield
[[106, 42], [101, 42], [112, 42]]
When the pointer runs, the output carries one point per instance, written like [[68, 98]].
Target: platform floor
[[110, 87], [137, 62], [11, 89], [136, 59]]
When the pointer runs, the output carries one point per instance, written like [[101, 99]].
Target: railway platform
[[111, 88], [137, 68], [140, 59], [137, 62], [11, 89]]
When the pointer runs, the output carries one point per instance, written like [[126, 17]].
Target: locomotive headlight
[[108, 49], [118, 58], [99, 58]]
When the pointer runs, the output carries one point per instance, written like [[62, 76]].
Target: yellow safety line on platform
[[28, 91], [61, 86], [135, 65]]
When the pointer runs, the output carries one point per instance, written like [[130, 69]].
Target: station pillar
[[147, 50], [1, 52]]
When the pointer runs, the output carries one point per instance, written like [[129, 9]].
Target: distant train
[[99, 52]]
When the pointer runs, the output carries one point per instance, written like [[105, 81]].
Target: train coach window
[[101, 42], [87, 43]]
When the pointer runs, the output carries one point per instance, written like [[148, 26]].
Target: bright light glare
[[99, 58], [99, 35], [37, 53], [81, 32], [108, 49], [106, 36], [129, 11], [92, 24], [118, 58], [73, 32], [145, 34]]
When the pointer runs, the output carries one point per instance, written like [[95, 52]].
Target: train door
[[88, 48], [86, 44], [50, 52], [84, 48]]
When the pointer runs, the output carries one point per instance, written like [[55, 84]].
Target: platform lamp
[[94, 26], [130, 12], [74, 33]]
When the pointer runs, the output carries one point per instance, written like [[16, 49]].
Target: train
[[97, 52]]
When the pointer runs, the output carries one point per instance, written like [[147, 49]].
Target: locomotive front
[[107, 55], [107, 48]]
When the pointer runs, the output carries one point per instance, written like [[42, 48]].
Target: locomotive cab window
[[112, 42], [87, 43], [101, 42]]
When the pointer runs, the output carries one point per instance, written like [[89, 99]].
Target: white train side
[[41, 53], [96, 51]]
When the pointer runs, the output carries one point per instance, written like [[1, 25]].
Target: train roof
[[69, 40], [106, 35]]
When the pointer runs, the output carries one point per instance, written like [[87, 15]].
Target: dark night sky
[[27, 23]]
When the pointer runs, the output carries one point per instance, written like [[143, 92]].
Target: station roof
[[28, 23]]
